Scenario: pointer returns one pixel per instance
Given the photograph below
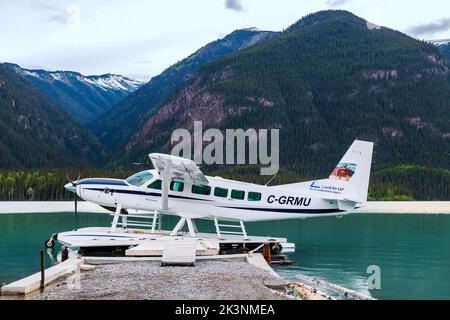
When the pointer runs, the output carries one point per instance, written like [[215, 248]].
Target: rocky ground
[[213, 279]]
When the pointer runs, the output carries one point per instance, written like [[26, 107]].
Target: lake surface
[[412, 250]]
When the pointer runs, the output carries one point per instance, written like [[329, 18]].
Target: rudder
[[354, 168]]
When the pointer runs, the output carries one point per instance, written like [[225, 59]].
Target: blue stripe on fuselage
[[283, 210], [102, 181]]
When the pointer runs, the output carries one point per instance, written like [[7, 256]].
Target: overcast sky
[[140, 38]]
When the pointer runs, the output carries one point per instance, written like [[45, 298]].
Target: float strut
[[116, 218]]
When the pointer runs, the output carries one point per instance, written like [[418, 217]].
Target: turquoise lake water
[[412, 251]]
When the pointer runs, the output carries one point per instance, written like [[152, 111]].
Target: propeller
[[70, 180]]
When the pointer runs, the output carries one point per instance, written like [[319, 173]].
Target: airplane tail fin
[[348, 183], [353, 171]]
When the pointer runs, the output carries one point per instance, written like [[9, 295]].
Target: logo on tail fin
[[343, 171]]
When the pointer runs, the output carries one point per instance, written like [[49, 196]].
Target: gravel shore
[[209, 279]]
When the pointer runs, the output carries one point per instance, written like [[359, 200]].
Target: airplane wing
[[177, 168]]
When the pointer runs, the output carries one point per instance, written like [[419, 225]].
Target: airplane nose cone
[[70, 187]]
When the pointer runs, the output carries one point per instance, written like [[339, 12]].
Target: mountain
[[116, 127], [35, 133], [84, 98], [444, 47], [325, 81]]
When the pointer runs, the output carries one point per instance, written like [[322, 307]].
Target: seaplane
[[176, 186]]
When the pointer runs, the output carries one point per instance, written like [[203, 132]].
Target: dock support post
[[64, 253], [116, 218], [42, 270], [266, 253]]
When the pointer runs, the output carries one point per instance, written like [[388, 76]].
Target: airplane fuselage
[[222, 198]]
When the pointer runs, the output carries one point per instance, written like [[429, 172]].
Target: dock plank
[[155, 248], [179, 252]]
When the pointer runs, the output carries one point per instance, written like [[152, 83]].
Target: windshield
[[139, 178]]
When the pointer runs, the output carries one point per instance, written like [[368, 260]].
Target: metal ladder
[[231, 226], [139, 220]]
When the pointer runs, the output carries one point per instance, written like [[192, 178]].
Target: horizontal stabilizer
[[346, 205]]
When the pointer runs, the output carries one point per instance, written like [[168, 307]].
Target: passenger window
[[254, 196], [237, 194], [156, 184], [177, 186], [220, 192], [204, 190]]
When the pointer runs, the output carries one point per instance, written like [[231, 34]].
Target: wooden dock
[[32, 283]]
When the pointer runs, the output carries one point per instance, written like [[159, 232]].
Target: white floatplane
[[176, 186]]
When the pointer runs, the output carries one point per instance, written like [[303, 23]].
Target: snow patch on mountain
[[105, 82], [438, 43], [114, 82], [253, 29]]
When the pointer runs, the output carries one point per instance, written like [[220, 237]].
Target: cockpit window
[[155, 184], [139, 178]]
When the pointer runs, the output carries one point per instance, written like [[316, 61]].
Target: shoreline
[[406, 207], [392, 207]]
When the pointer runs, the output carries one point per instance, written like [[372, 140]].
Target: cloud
[[337, 3], [70, 16], [59, 17], [42, 6], [235, 5], [73, 17], [430, 28]]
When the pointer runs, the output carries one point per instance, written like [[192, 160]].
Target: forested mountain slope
[[35, 133], [84, 98]]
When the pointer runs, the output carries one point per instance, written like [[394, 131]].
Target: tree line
[[404, 182]]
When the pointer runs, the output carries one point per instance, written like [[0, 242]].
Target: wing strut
[[165, 192], [180, 169]]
